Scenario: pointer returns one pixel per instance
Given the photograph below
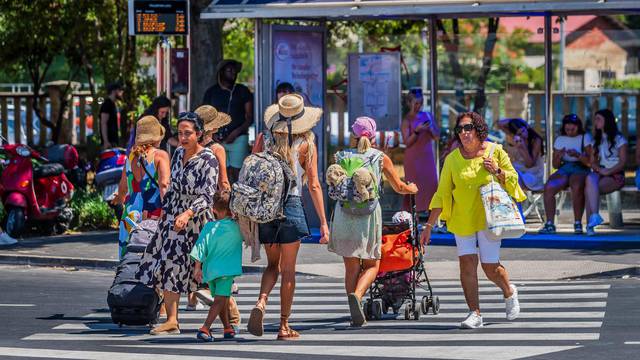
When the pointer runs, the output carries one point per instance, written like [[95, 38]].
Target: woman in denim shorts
[[289, 125], [571, 156]]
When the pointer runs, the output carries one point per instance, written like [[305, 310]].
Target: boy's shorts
[[221, 286]]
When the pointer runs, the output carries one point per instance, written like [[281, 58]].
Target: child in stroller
[[401, 272]]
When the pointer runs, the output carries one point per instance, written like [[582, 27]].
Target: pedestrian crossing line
[[445, 315], [352, 336], [426, 323], [101, 355], [312, 282], [254, 287], [412, 352]]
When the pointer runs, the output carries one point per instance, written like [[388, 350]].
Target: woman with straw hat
[[145, 178], [289, 134], [214, 120]]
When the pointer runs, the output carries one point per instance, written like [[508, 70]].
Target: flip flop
[[357, 315], [255, 325]]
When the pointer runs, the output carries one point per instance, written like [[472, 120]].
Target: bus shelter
[[503, 58]]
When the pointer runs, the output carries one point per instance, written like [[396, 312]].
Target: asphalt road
[[52, 313]]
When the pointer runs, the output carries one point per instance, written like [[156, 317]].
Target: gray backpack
[[262, 187], [350, 162]]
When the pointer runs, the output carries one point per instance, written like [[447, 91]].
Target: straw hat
[[291, 107], [212, 118], [148, 130]]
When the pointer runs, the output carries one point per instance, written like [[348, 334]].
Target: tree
[[206, 51]]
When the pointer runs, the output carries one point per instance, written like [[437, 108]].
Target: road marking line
[[414, 352], [382, 338], [428, 324], [330, 315], [101, 355], [632, 342], [17, 305], [442, 289], [449, 306]]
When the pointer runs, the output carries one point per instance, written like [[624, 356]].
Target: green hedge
[[91, 212]]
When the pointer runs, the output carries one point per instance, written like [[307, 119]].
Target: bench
[[614, 206]]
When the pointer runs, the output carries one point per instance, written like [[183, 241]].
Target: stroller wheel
[[416, 314], [435, 307], [424, 305], [376, 309], [366, 308], [407, 311]]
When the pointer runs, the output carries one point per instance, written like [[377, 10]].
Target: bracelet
[[429, 225]]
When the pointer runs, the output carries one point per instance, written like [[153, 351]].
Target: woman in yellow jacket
[[458, 202]]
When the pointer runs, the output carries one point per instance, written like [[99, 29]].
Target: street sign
[[158, 17]]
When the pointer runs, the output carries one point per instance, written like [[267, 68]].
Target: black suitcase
[[131, 302]]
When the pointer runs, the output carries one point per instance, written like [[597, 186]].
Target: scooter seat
[[47, 170]]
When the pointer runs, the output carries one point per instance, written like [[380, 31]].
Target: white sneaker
[[204, 297], [198, 306], [473, 321], [594, 220], [512, 305], [5, 239]]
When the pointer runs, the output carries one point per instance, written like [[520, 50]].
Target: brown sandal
[[288, 334], [255, 325]]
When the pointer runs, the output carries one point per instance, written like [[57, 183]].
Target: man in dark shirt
[[109, 116], [236, 100]]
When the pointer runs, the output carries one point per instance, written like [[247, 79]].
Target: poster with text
[[298, 60]]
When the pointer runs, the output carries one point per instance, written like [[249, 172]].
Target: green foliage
[[91, 212], [627, 84], [238, 45]]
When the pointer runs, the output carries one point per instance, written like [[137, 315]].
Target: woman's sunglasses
[[467, 128]]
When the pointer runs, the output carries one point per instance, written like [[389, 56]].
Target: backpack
[[262, 188], [344, 190]]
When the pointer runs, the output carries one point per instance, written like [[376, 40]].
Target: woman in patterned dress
[[186, 208], [141, 189]]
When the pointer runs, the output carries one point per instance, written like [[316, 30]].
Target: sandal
[[355, 308], [204, 334], [229, 333], [165, 329], [288, 334], [255, 325]]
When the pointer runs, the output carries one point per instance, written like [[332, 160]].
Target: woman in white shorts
[[458, 202]]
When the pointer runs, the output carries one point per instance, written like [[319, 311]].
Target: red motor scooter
[[32, 189]]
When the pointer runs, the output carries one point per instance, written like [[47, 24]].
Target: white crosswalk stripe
[[556, 316]]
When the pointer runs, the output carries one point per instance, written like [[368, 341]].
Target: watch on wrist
[[499, 171]]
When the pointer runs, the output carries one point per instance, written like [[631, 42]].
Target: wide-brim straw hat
[[212, 118], [303, 118], [149, 130]]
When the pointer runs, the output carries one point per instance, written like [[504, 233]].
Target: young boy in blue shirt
[[218, 258]]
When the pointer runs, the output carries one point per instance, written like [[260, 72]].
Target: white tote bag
[[503, 217]]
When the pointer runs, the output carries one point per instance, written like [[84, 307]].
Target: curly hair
[[482, 130]]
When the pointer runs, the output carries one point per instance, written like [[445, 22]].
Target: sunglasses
[[467, 128]]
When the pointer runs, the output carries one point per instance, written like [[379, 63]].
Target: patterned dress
[[143, 199], [166, 264]]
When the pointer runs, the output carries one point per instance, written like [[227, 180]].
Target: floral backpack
[[263, 187]]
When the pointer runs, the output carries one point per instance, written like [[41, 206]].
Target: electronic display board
[[158, 17]]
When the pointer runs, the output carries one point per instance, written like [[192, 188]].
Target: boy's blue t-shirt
[[219, 249]]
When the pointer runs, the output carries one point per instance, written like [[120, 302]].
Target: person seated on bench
[[607, 162], [525, 148], [571, 156]]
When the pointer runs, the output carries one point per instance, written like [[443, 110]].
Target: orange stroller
[[401, 273]]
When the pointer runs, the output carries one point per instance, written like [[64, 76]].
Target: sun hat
[[212, 118], [223, 64], [290, 116], [364, 126], [148, 130]]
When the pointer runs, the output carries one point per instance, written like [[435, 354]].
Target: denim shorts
[[573, 167], [289, 230]]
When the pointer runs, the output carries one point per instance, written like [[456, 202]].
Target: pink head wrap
[[364, 126]]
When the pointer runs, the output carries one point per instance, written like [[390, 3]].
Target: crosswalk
[[556, 316]]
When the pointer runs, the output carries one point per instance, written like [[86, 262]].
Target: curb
[[629, 271], [84, 263]]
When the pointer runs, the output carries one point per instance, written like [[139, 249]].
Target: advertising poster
[[298, 60]]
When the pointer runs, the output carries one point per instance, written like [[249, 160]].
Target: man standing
[[109, 116], [235, 100]]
